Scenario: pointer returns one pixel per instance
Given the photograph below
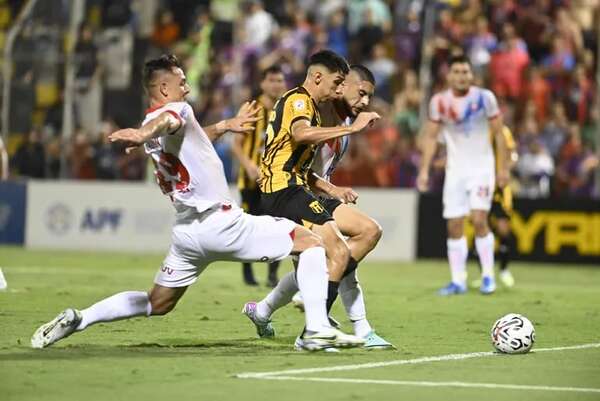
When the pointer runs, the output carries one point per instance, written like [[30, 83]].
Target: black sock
[[332, 293], [504, 251], [352, 265], [273, 266], [248, 273]]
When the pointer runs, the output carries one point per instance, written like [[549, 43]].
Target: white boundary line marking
[[435, 384], [451, 357]]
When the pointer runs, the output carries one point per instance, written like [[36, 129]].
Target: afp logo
[[99, 219]]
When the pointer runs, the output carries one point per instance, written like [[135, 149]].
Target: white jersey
[[187, 167], [329, 154], [465, 121]]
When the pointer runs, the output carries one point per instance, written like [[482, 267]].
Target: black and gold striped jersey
[[285, 162]]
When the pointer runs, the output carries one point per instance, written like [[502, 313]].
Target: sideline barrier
[[13, 200], [137, 217], [557, 230]]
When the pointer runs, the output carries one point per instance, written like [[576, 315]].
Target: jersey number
[[170, 173]]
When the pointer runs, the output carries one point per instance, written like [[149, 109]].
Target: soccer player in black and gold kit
[[248, 149], [501, 212], [293, 134]]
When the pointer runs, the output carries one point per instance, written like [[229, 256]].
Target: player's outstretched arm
[[303, 132], [163, 124], [243, 123], [344, 194], [429, 141]]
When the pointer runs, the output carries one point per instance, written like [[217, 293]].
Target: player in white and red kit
[[466, 115], [209, 225]]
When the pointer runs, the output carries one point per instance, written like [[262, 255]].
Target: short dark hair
[[363, 72], [274, 69], [331, 60], [166, 62], [458, 59]]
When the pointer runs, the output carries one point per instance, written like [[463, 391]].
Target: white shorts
[[463, 193], [222, 235]]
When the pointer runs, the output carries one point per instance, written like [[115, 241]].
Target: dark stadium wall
[[13, 196], [545, 230]]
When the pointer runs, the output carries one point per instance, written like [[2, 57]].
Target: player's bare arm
[[344, 194], [429, 145], [496, 127], [303, 132], [243, 123], [165, 123]]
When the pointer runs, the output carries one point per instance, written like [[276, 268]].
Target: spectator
[[539, 93], [166, 30], [30, 159], [508, 64], [555, 131], [480, 45], [259, 25], [534, 169], [105, 154], [577, 163], [337, 33], [382, 67]]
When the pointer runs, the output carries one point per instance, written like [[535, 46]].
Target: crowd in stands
[[538, 56]]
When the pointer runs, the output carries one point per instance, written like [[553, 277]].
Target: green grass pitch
[[195, 352]]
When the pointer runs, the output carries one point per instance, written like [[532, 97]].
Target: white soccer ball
[[513, 334]]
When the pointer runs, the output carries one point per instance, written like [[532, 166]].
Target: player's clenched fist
[[363, 120]]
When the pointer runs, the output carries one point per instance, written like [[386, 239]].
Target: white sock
[[312, 279], [485, 250], [279, 296], [457, 257], [119, 306], [353, 300]]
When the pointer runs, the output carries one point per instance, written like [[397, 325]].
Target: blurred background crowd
[[538, 56]]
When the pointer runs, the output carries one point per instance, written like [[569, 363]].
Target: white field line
[[451, 357], [435, 384]]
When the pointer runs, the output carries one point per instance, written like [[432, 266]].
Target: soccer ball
[[513, 334]]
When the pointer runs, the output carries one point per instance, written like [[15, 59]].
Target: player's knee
[[340, 251], [481, 226], [373, 232], [314, 241]]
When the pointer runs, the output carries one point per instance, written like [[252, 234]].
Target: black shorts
[[501, 204], [251, 201], [330, 204], [297, 204]]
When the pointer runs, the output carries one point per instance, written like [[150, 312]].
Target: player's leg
[[484, 243], [338, 255], [271, 237], [250, 201], [120, 306], [503, 199], [480, 202], [364, 233], [456, 207], [504, 250]]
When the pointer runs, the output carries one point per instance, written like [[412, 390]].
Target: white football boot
[[60, 327]]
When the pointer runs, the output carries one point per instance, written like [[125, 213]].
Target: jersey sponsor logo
[[316, 207], [171, 174]]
